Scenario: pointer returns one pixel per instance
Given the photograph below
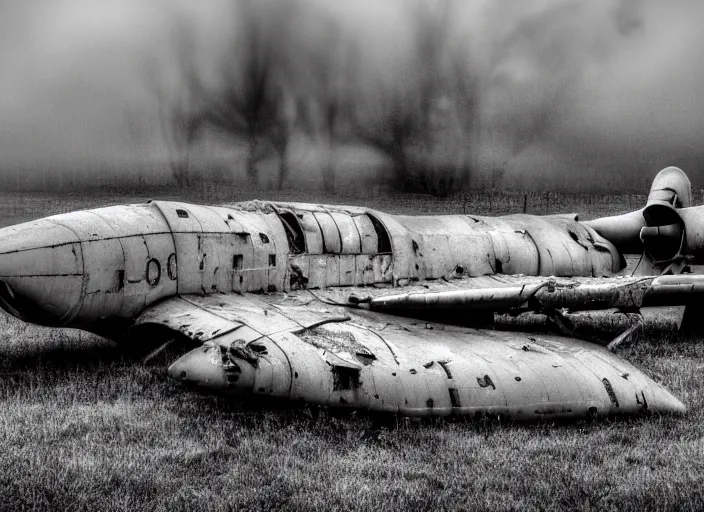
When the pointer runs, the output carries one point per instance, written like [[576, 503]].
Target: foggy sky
[[566, 88]]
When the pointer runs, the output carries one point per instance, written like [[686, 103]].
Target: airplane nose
[[202, 367], [41, 266]]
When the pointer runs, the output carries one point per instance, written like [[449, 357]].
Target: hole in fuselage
[[294, 233], [384, 242], [345, 378]]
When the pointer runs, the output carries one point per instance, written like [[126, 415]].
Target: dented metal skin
[[385, 363], [286, 299], [86, 266]]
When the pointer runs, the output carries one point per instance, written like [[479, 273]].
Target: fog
[[553, 94]]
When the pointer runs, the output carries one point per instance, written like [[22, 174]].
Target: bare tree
[[247, 99], [397, 119], [178, 113], [324, 98]]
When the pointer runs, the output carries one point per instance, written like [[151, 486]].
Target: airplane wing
[[297, 348]]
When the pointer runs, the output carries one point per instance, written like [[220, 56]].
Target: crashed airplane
[[352, 307]]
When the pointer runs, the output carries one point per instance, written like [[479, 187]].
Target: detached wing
[[278, 346]]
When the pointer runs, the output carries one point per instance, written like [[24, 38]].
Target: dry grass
[[82, 428]]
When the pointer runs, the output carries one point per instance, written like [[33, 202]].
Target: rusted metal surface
[[660, 230], [624, 293], [285, 298], [407, 369]]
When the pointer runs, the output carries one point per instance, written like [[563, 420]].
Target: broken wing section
[[269, 347], [204, 318]]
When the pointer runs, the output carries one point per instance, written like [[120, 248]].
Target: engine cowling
[[658, 230], [664, 233]]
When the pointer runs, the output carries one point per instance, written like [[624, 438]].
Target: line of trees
[[293, 69]]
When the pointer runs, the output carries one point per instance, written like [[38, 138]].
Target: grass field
[[82, 428]]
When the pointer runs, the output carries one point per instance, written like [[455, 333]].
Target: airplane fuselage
[[86, 266]]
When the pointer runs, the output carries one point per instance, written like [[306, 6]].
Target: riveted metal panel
[[414, 391], [59, 296], [351, 243], [318, 271], [563, 249], [332, 270], [433, 255], [278, 271], [475, 381], [619, 395], [383, 268], [124, 220], [189, 256], [218, 253], [431, 236], [103, 258], [211, 219], [401, 243], [299, 270], [273, 373], [311, 232], [347, 269], [524, 389], [332, 243], [208, 240], [59, 260], [33, 235], [311, 378], [246, 310], [183, 217], [388, 392], [270, 245], [180, 315], [105, 279], [242, 257], [368, 236], [515, 253], [473, 252], [136, 258], [364, 270], [438, 402]]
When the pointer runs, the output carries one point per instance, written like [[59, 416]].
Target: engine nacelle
[[658, 230], [663, 236]]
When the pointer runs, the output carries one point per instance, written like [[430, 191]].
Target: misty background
[[418, 95]]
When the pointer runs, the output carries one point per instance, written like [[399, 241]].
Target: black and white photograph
[[356, 255]]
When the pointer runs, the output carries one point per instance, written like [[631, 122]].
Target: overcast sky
[[610, 85]]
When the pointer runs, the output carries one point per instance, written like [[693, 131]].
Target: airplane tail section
[[659, 230]]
